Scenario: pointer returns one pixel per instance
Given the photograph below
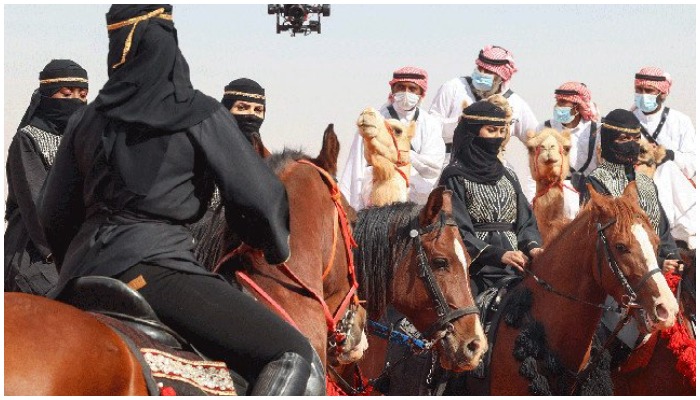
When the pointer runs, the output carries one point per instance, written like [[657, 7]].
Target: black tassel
[[540, 386], [528, 368], [517, 305]]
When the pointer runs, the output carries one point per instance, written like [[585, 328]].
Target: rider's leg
[[226, 324]]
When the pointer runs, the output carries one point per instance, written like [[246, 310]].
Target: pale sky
[[318, 79]]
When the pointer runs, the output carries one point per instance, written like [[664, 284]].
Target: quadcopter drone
[[295, 17]]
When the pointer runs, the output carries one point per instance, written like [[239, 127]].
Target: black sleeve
[[585, 196], [485, 253], [525, 224], [62, 211], [27, 173], [667, 246], [255, 199]]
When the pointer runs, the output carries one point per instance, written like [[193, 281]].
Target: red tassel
[[167, 391], [679, 341]]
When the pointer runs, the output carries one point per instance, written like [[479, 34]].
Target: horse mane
[[213, 235], [375, 261]]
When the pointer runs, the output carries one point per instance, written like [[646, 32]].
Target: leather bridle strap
[[444, 312]]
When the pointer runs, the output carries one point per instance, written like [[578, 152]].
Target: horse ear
[[328, 157], [631, 192], [435, 204], [596, 197]]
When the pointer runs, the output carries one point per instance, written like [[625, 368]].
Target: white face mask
[[406, 101]]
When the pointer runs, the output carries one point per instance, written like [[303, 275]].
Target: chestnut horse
[[43, 337], [543, 343], [319, 256], [672, 350], [423, 259]]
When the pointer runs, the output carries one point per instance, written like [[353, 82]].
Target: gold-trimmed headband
[[251, 95], [620, 129], [484, 118], [66, 79], [159, 13]]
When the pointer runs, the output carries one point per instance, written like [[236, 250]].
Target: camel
[[650, 157], [556, 202], [387, 145]]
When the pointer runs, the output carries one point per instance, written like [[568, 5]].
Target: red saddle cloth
[[175, 372]]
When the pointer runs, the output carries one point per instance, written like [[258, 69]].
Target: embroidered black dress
[[611, 179], [29, 159], [492, 219]]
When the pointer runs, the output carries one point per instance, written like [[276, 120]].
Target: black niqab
[[153, 86], [476, 158]]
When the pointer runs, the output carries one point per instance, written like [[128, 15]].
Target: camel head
[[387, 138], [549, 155], [650, 156]]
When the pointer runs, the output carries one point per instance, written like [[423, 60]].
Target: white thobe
[[447, 106], [677, 134], [427, 155], [677, 198], [580, 135]]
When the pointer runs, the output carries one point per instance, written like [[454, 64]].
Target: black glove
[[669, 156]]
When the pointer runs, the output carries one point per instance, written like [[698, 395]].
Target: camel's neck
[[568, 266]]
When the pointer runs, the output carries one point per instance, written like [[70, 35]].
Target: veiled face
[[493, 131], [69, 92], [241, 107]]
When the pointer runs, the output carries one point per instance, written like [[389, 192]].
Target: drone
[[295, 17]]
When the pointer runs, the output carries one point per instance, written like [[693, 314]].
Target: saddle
[[167, 360], [490, 303]]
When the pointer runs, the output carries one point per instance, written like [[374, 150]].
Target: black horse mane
[[212, 234], [382, 234]]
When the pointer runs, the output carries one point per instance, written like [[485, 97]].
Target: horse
[[422, 273], [665, 364], [387, 144], [320, 257], [555, 203], [43, 336], [543, 343]]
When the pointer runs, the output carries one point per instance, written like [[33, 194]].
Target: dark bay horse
[[543, 341], [319, 254], [665, 364]]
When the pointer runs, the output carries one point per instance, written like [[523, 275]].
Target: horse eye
[[440, 263], [622, 248]]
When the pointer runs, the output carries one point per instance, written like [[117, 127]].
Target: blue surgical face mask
[[646, 102], [563, 115], [481, 81]]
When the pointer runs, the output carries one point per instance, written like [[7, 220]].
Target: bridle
[[629, 304], [445, 314], [339, 323]]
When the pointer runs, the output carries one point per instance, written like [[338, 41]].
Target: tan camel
[[549, 164], [650, 157], [387, 146]]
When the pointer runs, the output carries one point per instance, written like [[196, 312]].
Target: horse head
[[548, 152], [629, 245], [422, 272]]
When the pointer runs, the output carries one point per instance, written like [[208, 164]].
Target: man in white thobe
[[408, 87]]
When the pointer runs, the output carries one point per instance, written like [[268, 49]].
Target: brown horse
[[43, 336], [424, 241], [653, 368], [543, 342], [55, 349], [318, 255]]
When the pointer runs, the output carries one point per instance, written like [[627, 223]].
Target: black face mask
[[621, 153], [249, 123], [58, 111], [490, 146]]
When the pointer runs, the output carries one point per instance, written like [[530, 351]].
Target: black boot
[[316, 385], [286, 376]]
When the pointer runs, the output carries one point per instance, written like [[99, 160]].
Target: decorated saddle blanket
[[176, 372]]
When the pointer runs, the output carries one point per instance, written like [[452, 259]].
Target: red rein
[[342, 221]]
